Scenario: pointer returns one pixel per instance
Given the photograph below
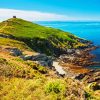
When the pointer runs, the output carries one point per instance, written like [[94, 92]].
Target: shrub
[[55, 86], [37, 67], [42, 69]]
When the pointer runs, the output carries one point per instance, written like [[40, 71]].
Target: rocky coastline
[[67, 62], [53, 60], [73, 62], [77, 61]]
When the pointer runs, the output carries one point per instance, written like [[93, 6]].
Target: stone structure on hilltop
[[14, 16]]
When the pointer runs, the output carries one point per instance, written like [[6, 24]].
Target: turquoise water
[[86, 30]]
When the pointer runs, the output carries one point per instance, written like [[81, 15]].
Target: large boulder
[[43, 59]]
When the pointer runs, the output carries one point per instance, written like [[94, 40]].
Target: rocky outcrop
[[79, 57], [13, 51], [92, 76], [43, 59]]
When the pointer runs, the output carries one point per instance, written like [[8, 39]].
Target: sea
[[86, 30]]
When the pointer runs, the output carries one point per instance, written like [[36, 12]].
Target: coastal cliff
[[46, 61]]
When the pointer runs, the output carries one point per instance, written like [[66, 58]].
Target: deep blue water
[[86, 30]]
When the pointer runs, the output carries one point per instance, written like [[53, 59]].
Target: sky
[[53, 10]]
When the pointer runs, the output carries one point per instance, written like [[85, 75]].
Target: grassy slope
[[42, 39], [26, 80], [14, 43], [22, 28]]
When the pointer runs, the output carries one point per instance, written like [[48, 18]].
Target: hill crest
[[39, 38]]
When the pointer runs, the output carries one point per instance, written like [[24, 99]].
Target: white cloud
[[30, 15]]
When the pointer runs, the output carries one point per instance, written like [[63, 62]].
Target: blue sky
[[62, 9]]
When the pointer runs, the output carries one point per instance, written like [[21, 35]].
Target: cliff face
[[39, 38]]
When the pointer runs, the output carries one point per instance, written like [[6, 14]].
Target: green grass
[[57, 86], [39, 38], [25, 29], [39, 89], [25, 80], [14, 43], [16, 67]]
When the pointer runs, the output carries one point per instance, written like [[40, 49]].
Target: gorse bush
[[55, 86]]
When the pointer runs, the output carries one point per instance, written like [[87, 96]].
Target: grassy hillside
[[42, 39], [14, 43], [21, 28], [27, 80]]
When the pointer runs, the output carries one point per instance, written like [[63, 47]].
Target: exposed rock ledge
[[70, 64], [92, 76]]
